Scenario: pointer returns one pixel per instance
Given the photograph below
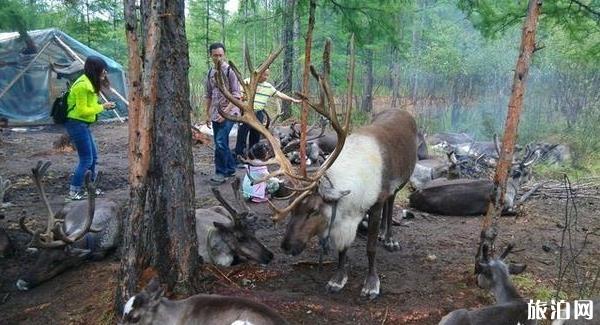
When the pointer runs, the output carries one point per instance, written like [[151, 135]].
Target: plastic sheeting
[[29, 82]]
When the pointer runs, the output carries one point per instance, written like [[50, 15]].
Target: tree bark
[[367, 102], [159, 232], [288, 55], [515, 107], [305, 85], [207, 35]]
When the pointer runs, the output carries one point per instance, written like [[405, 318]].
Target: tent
[[33, 75]]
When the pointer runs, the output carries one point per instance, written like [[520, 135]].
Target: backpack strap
[[226, 76]]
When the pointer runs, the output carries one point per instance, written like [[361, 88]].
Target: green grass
[[534, 289]]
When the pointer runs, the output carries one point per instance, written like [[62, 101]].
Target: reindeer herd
[[355, 175]]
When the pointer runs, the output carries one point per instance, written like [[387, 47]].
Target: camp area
[[300, 162], [34, 73]]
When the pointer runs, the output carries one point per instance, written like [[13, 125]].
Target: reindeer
[[150, 307], [78, 232], [470, 196], [510, 307], [362, 174], [224, 233]]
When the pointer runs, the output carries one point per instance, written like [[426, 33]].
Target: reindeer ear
[[514, 268], [153, 289], [330, 193], [221, 226]]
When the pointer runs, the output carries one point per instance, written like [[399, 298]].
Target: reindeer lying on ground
[[80, 231], [224, 233], [364, 176], [470, 196], [150, 307], [510, 307]]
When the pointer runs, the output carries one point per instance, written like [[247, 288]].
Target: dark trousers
[[224, 162], [81, 136], [247, 134]]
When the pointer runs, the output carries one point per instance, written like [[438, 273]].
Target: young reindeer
[[150, 307], [375, 162], [510, 307], [224, 235], [80, 231]]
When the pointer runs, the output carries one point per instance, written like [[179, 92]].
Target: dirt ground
[[431, 275]]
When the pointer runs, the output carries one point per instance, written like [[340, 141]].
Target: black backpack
[[60, 108]]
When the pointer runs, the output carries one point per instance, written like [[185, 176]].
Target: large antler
[[80, 232], [54, 225], [235, 214], [300, 184]]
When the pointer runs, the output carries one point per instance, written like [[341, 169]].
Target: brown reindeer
[[362, 175]]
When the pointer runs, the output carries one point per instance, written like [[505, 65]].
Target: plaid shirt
[[213, 93]]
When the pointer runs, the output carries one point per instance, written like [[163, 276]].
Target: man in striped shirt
[[264, 91]]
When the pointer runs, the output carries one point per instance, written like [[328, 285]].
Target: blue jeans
[[81, 136], [243, 130], [224, 162]]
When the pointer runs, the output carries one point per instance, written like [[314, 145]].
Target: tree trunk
[[87, 25], [395, 84], [288, 55], [515, 106], [456, 103], [223, 14], [207, 35], [159, 232], [367, 102], [306, 86]]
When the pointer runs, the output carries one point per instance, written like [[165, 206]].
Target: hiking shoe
[[76, 195], [217, 179]]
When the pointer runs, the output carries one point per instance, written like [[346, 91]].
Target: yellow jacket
[[83, 101]]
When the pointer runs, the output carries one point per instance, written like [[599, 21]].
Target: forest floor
[[430, 276]]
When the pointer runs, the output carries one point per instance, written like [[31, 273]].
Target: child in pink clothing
[[258, 192]]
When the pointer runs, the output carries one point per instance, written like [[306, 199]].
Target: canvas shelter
[[31, 78]]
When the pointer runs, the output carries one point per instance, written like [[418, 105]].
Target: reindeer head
[[141, 308], [56, 250], [519, 174], [494, 272], [240, 235]]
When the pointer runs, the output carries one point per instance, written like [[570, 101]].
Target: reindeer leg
[[388, 211], [371, 285], [338, 281], [383, 225]]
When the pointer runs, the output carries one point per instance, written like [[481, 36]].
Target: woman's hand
[[109, 105]]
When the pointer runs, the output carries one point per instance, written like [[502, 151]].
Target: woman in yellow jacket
[[84, 107]]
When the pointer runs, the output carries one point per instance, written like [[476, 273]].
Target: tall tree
[[288, 53], [515, 107], [367, 99], [159, 230]]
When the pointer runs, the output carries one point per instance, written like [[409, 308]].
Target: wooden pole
[[306, 86], [515, 106]]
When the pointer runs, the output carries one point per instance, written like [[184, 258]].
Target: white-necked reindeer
[[362, 174], [510, 307], [80, 231], [150, 307]]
